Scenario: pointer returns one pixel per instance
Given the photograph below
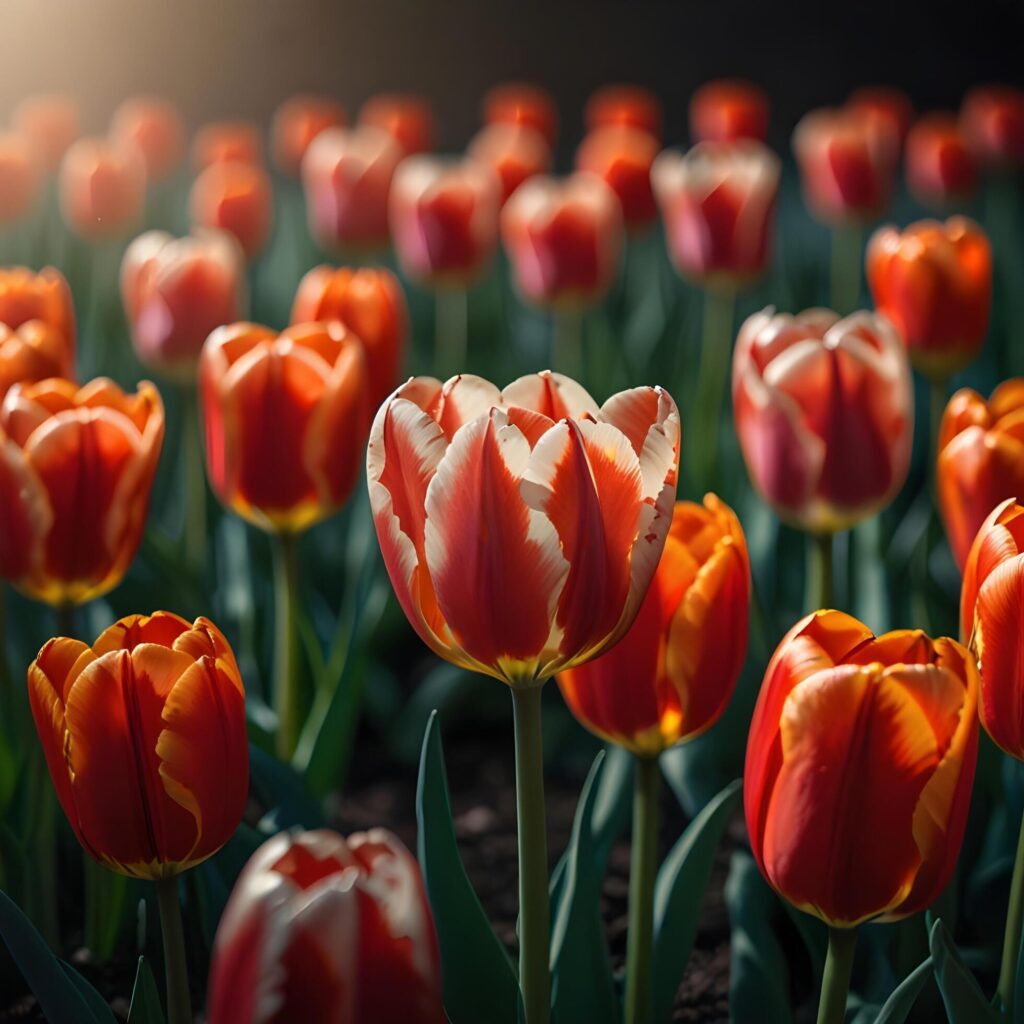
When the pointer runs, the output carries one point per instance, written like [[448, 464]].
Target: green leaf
[[965, 1002], [679, 896], [582, 984], [145, 1008], [100, 1008], [478, 979], [898, 1006], [283, 792]]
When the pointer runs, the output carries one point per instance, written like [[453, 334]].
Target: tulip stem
[[819, 571], [286, 643], [451, 309], [835, 982], [846, 259], [534, 911], [179, 1002], [715, 357], [1014, 928], [567, 342], [643, 868], [195, 480]]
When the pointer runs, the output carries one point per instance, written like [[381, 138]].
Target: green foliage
[[145, 1007], [965, 1002]]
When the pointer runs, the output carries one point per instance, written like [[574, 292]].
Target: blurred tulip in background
[[622, 157], [156, 127], [621, 104], [407, 118], [941, 167], [515, 152], [19, 177], [728, 109], [525, 104], [297, 122], [102, 188], [993, 120], [233, 141], [237, 197], [50, 123]]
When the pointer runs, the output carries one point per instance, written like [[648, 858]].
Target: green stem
[[451, 310], [1014, 926], [846, 260], [534, 912], [712, 374], [286, 642], [835, 983], [195, 479], [567, 342], [179, 1002], [819, 571], [642, 872]]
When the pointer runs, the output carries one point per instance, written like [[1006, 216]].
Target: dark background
[[223, 58]]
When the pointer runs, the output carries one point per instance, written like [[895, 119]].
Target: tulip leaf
[[965, 1002], [145, 1007], [100, 1008], [283, 792], [478, 979], [898, 1006], [582, 984], [679, 896]]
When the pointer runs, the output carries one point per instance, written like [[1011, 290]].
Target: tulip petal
[[552, 394]]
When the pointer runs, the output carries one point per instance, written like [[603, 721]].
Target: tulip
[[941, 168], [347, 176], [407, 119], [297, 122], [980, 460], [622, 156], [50, 123], [231, 141], [368, 301], [858, 776], [884, 101], [102, 188], [729, 109], [576, 504], [156, 127], [993, 120], [235, 197], [934, 282], [75, 474], [19, 177], [31, 353], [525, 104], [515, 152], [629, 105], [355, 908], [26, 295]]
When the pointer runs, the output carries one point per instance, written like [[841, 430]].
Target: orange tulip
[[980, 457], [729, 109], [285, 418], [629, 105], [941, 167], [671, 676], [76, 467], [522, 103], [102, 188], [355, 908], [19, 177], [297, 122], [564, 239], [235, 197], [50, 123], [934, 282], [444, 219], [176, 291], [144, 736], [993, 120], [887, 102], [824, 414], [718, 204], [156, 127], [407, 119], [347, 176], [26, 295], [368, 301], [622, 156], [31, 353], [575, 502], [232, 141], [515, 152], [859, 768]]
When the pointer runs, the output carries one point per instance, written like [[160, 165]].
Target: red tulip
[[884, 101], [564, 239], [629, 105], [31, 353], [576, 502], [26, 295], [231, 141], [156, 127], [859, 768], [407, 119], [19, 177], [50, 123], [525, 104], [941, 167], [102, 188], [824, 414], [235, 197], [297, 122], [729, 109], [993, 121], [515, 152], [622, 156], [319, 928], [718, 204]]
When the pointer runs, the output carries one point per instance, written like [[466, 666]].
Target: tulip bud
[[102, 188], [934, 282], [368, 301], [622, 156], [859, 768], [26, 295], [993, 121], [347, 176], [50, 123], [671, 676], [535, 592], [407, 119], [980, 460], [319, 928], [31, 353], [234, 197], [848, 159], [718, 204], [176, 291], [884, 101], [629, 105], [444, 219], [564, 238], [824, 414], [727, 110], [285, 418], [525, 104], [156, 127], [19, 177], [231, 141], [941, 168], [297, 122], [515, 152], [76, 467], [144, 736]]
